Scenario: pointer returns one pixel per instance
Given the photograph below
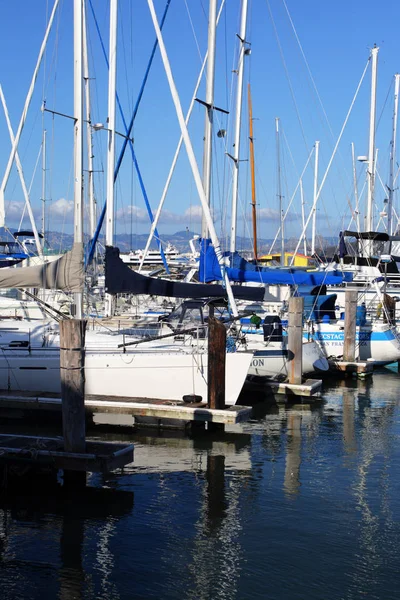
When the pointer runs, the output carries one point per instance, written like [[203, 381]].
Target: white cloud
[[61, 210], [271, 214], [132, 212], [14, 210], [191, 215]]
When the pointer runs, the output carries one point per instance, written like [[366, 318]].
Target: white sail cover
[[65, 273]]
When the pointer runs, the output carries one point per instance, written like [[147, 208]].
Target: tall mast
[[393, 154], [212, 27], [278, 171], [78, 140], [369, 224], [357, 209], [111, 137], [89, 133], [43, 187], [253, 180], [192, 158], [314, 217], [236, 143], [303, 216]]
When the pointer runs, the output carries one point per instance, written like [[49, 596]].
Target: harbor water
[[301, 502]]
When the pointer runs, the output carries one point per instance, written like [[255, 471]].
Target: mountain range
[[60, 242]]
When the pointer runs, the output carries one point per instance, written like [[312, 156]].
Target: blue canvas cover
[[243, 271]]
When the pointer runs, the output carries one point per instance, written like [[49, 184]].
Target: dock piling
[[216, 366], [72, 362], [295, 340], [349, 346]]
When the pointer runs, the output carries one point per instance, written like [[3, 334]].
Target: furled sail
[[65, 273], [121, 279], [243, 271]]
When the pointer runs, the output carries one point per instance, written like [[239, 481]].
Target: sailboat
[[377, 338], [162, 370]]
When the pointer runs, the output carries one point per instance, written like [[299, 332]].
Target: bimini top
[[378, 236]]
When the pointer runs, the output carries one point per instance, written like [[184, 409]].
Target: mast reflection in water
[[301, 502]]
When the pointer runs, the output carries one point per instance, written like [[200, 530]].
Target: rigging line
[[292, 198], [193, 30], [124, 53], [308, 68], [287, 75], [125, 142], [311, 77], [332, 157], [24, 114], [177, 151], [384, 104], [30, 185]]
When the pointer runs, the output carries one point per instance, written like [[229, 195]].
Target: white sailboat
[[164, 371]]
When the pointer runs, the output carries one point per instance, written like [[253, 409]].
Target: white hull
[[378, 342], [143, 374], [272, 360]]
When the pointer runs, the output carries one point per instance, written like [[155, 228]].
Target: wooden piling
[[216, 363], [349, 346], [72, 361], [295, 340]]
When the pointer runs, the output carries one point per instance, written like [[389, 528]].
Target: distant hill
[[60, 242]]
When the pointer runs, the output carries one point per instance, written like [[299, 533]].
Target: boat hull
[[148, 374], [378, 343]]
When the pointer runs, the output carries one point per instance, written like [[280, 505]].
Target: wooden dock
[[136, 407], [351, 368], [309, 388], [49, 452]]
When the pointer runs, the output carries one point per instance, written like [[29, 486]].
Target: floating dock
[[136, 407], [310, 388], [355, 369], [49, 452]]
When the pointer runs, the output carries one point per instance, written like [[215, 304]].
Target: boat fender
[[192, 398]]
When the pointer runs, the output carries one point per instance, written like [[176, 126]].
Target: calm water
[[298, 503]]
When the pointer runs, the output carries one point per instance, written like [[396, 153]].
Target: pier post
[[295, 340], [350, 315], [216, 363], [216, 367], [72, 360]]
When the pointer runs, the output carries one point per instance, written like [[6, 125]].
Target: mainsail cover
[[243, 271], [65, 273], [121, 279]]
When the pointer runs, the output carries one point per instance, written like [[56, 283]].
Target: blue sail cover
[[243, 271]]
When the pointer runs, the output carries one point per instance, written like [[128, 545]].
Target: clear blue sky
[[335, 37]]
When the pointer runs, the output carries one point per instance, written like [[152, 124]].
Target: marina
[[199, 301]]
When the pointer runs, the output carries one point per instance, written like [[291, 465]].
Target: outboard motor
[[272, 328]]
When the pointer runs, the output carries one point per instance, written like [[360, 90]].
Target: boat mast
[[111, 138], [357, 209], [192, 158], [393, 154], [236, 143], [89, 133], [43, 186], [282, 216], [253, 181], [303, 217], [314, 218], [78, 141], [369, 224], [210, 76]]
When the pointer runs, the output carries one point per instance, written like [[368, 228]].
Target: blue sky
[[335, 37]]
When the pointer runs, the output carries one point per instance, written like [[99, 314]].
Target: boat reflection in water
[[312, 488]]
